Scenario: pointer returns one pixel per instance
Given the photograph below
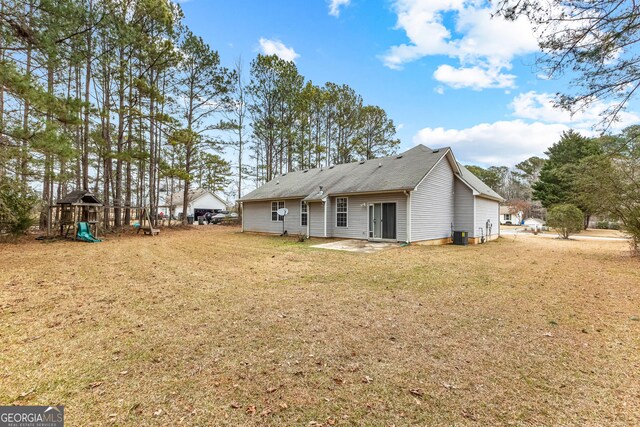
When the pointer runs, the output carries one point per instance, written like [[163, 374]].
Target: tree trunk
[[128, 174], [152, 151], [106, 135], [48, 168], [24, 151], [87, 100], [117, 197], [79, 136], [187, 183]]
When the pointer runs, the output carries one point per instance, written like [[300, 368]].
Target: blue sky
[[445, 72]]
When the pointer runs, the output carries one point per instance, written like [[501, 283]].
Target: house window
[[304, 213], [507, 217], [274, 211], [341, 212]]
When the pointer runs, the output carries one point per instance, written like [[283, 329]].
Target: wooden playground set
[[78, 215]]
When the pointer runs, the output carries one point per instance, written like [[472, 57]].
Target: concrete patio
[[362, 246]]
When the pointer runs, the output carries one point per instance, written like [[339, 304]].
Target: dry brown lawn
[[591, 232], [214, 327]]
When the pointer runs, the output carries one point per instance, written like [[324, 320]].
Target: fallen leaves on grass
[[330, 340], [417, 392], [27, 393]]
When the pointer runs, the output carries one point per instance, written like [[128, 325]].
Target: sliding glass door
[[382, 221]]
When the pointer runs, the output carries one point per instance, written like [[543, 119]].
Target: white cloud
[[276, 47], [537, 126], [483, 46], [533, 105], [476, 77], [335, 5], [492, 144]]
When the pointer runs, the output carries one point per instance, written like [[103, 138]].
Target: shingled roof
[[480, 187], [80, 198], [176, 198], [394, 173]]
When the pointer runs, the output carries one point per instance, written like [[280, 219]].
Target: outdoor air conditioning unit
[[460, 238]]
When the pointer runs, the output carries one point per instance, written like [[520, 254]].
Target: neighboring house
[[509, 218], [200, 202], [534, 222], [419, 195]]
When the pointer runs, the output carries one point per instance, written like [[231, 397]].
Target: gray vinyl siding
[[316, 217], [463, 217], [432, 204], [357, 217], [487, 210], [257, 217], [330, 215]]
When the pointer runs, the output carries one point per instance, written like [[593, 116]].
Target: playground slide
[[84, 234]]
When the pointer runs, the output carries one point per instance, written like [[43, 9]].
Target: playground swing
[[145, 224]]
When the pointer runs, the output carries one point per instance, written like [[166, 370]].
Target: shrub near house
[[566, 219]]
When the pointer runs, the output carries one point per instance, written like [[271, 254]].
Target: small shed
[[78, 206]]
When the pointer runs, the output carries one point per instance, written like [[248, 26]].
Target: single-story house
[[507, 217], [421, 195], [200, 202]]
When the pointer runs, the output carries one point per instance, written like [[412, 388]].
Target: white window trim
[[277, 207], [346, 212], [302, 203]]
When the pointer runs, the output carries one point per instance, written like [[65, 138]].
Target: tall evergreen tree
[[204, 88]]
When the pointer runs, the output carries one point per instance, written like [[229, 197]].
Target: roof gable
[[477, 185], [177, 198], [399, 172]]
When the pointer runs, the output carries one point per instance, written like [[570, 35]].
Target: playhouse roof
[[80, 198]]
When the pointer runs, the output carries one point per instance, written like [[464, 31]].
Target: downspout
[[498, 220], [408, 194], [308, 219], [242, 215], [324, 203], [474, 216]]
